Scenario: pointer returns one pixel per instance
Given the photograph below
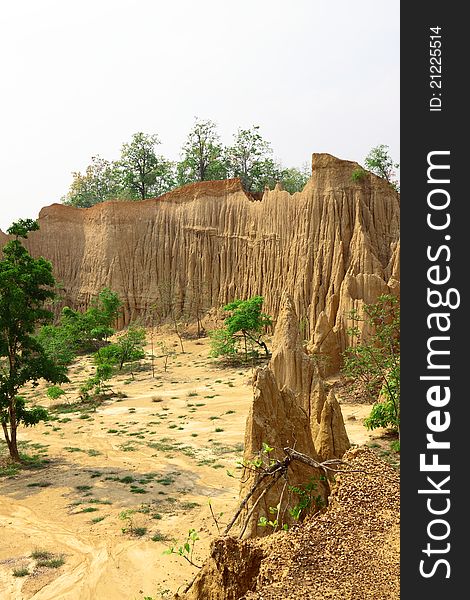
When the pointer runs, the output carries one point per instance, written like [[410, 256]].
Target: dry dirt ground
[[122, 483]]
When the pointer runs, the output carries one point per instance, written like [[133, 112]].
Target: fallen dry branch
[[326, 465]]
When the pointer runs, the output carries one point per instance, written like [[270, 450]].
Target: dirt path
[[162, 452]]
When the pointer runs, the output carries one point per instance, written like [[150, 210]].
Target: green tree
[[294, 180], [250, 159], [202, 155], [128, 348], [375, 360], [379, 162], [26, 284], [100, 182], [58, 343], [143, 172], [86, 329], [243, 329]]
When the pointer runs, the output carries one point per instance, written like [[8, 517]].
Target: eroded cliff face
[[331, 247]]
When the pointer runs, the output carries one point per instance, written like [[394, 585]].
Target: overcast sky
[[80, 77]]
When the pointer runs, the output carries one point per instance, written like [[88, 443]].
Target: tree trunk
[[153, 356], [10, 438], [263, 345]]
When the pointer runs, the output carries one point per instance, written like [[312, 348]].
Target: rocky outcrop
[[291, 408], [296, 368], [230, 571], [331, 246], [352, 550]]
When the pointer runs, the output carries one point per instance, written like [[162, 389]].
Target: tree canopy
[[250, 158], [79, 331], [375, 360], [100, 182], [141, 173], [379, 162], [243, 330], [202, 155]]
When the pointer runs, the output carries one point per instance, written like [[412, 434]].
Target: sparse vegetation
[[379, 162], [375, 360], [51, 563]]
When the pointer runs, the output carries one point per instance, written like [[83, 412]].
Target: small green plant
[[51, 563], [93, 452], [98, 519], [306, 498], [137, 490], [187, 549], [54, 392], [10, 469], [189, 505], [126, 479], [128, 517], [358, 174], [274, 523], [159, 537], [20, 572]]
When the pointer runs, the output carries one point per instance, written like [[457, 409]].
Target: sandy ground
[[162, 452]]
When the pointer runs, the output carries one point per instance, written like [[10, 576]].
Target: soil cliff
[[331, 246]]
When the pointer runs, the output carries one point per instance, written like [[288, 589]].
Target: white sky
[[79, 77]]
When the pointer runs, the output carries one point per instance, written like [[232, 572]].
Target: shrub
[[375, 361]]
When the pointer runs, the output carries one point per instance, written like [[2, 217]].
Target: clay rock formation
[[229, 572], [295, 368], [332, 246], [290, 408]]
